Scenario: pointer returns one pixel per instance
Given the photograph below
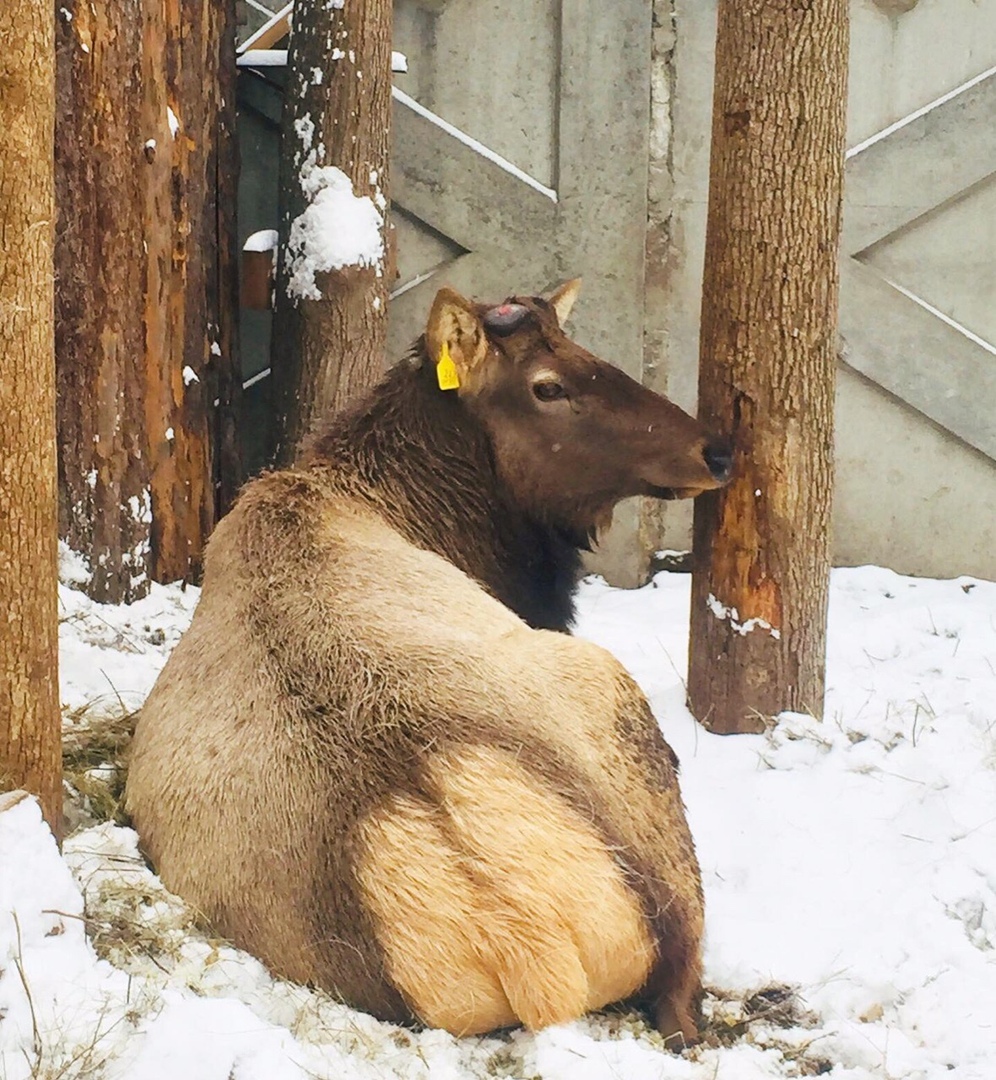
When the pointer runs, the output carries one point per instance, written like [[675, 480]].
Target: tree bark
[[768, 360], [191, 284], [146, 299], [336, 112], [30, 723], [104, 461], [222, 183]]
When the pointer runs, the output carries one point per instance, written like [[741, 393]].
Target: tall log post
[[191, 284], [30, 724], [146, 304], [329, 344], [768, 358], [101, 157]]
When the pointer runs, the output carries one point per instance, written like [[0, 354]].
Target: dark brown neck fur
[[418, 455]]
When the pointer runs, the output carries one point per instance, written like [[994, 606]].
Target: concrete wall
[[909, 494], [620, 126], [560, 88]]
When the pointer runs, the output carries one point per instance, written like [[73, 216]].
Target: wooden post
[[337, 111], [101, 157], [768, 359], [191, 275], [30, 723], [146, 304]]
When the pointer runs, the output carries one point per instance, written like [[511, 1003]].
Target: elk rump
[[372, 760]]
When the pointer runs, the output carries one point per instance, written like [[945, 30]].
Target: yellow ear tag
[[446, 371]]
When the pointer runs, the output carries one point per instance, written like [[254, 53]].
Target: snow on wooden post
[[331, 299], [767, 362], [30, 722]]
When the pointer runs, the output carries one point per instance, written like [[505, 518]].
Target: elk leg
[[676, 1011]]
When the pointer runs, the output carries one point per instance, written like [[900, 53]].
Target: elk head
[[572, 434]]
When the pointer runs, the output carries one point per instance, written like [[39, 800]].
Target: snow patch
[[141, 507], [721, 611], [337, 229], [74, 569], [260, 58], [189, 375], [174, 123], [853, 860], [112, 654], [263, 240], [304, 126]]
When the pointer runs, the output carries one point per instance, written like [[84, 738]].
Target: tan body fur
[[363, 768]]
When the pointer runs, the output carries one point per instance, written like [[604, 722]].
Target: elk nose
[[719, 457]]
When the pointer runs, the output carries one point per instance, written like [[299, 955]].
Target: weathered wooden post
[[146, 307]]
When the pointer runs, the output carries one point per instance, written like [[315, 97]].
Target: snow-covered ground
[[853, 862]]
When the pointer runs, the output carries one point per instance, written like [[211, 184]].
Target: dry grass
[[120, 930], [131, 919], [728, 1018], [95, 740], [507, 1063], [84, 1059], [772, 1018]]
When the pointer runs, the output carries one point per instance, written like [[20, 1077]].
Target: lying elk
[[370, 763]]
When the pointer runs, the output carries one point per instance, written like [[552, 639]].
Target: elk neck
[[426, 464]]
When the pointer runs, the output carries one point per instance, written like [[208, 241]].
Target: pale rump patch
[[507, 890]]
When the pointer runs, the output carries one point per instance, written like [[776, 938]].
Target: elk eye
[[549, 391]]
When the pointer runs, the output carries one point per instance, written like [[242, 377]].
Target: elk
[[375, 760]]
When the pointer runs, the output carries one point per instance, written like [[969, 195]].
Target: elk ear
[[563, 299], [454, 338]]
